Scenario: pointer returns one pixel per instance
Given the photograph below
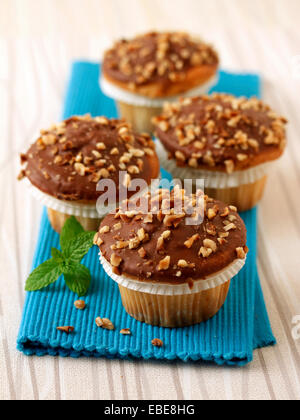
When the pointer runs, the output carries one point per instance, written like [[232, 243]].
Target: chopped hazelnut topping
[[148, 218], [205, 252], [117, 226], [161, 240], [180, 156], [164, 264], [229, 166], [164, 255], [166, 234], [228, 131], [104, 229], [114, 151], [101, 146], [127, 181], [225, 212], [211, 229], [223, 234], [182, 264], [133, 169], [80, 169], [49, 140], [102, 120], [253, 143], [209, 243], [190, 242], [193, 163], [96, 154], [160, 244], [141, 234], [142, 252], [97, 240], [241, 157], [121, 245], [134, 243], [241, 254], [21, 175], [58, 159], [211, 214], [115, 260], [230, 226], [173, 219]]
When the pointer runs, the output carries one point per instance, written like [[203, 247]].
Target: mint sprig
[[75, 244]]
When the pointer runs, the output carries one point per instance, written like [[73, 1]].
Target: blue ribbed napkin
[[230, 337]]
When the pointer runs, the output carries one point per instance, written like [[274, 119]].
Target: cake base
[[139, 116], [57, 221], [244, 197], [174, 311]]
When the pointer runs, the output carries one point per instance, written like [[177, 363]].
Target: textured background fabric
[[230, 337]]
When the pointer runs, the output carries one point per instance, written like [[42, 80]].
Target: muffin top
[[171, 61], [164, 246], [221, 132], [69, 159]]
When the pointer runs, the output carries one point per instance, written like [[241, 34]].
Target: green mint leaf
[[79, 246], [57, 255], [47, 273], [77, 278], [71, 229]]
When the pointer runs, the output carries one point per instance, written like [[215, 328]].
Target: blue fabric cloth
[[241, 326]]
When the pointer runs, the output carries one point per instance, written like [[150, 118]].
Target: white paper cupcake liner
[[210, 282], [213, 179], [69, 208], [74, 209], [122, 95]]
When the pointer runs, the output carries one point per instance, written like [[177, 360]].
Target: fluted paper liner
[[72, 208], [165, 289], [213, 179], [126, 97], [69, 208]]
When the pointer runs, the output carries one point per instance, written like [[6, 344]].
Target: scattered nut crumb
[[125, 331], [66, 329], [105, 323], [157, 342], [80, 304]]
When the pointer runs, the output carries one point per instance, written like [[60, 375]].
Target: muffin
[[66, 163], [229, 142], [173, 265], [143, 72]]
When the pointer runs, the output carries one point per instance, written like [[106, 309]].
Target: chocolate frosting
[[155, 57], [164, 248], [69, 159], [221, 132]]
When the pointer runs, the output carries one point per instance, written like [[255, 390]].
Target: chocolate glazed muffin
[[67, 161], [171, 273], [228, 141], [143, 72]]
